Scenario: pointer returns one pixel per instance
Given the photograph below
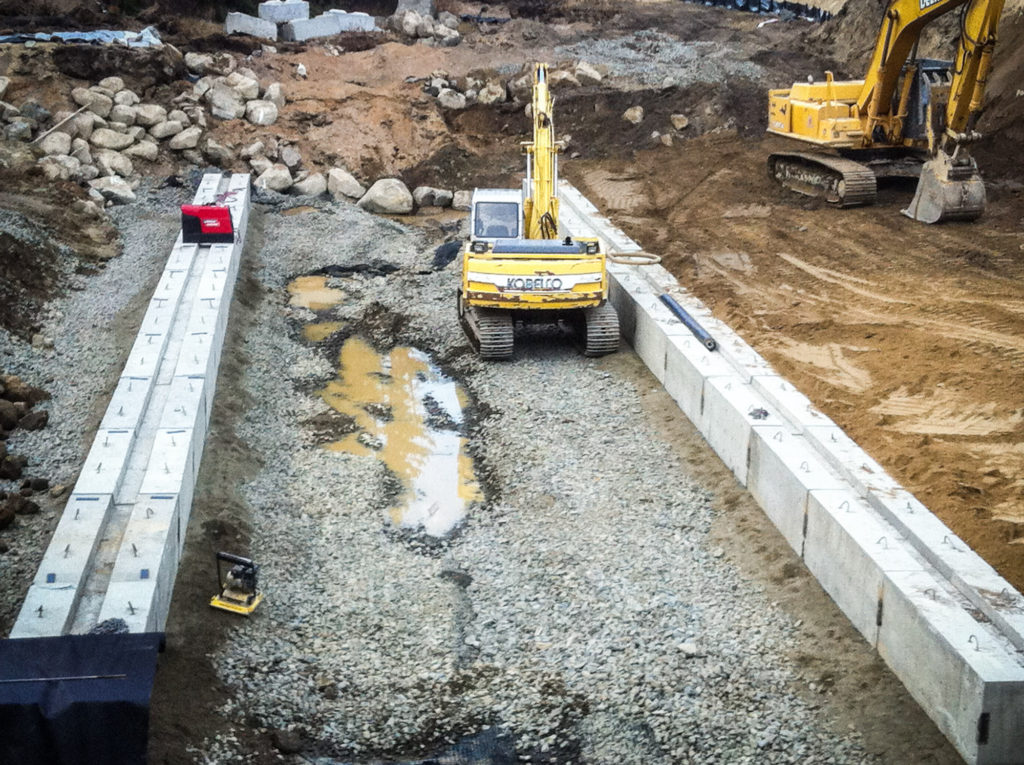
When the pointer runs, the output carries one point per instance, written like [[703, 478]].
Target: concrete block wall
[[944, 621], [143, 464], [243, 23]]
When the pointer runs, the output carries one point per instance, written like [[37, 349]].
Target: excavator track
[[490, 330], [601, 325], [841, 182]]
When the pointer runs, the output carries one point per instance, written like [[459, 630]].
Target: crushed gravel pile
[[581, 613], [652, 58]]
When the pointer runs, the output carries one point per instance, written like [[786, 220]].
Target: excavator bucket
[[950, 188]]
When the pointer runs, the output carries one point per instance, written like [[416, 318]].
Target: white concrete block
[[243, 23], [354, 21], [849, 550], [790, 402], [128, 404], [57, 603], [953, 666], [187, 405], [687, 364], [850, 460], [299, 30], [170, 469], [198, 356], [280, 11], [731, 409], [782, 472], [136, 602], [146, 354], [106, 462], [655, 327]]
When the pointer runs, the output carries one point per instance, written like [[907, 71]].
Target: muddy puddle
[[407, 413]]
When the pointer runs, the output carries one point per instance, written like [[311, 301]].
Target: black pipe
[[691, 323]]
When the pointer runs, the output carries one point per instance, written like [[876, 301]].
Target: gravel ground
[[582, 613], [652, 58], [93, 326]]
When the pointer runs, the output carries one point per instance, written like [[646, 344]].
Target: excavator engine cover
[[949, 189], [206, 224]]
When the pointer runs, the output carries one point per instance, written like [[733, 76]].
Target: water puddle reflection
[[410, 417], [313, 293]]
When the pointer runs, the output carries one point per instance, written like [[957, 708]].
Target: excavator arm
[[897, 38], [540, 210]]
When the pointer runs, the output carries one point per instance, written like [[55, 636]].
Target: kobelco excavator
[[518, 266], [906, 111]]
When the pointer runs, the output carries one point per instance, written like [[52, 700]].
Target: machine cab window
[[496, 220]]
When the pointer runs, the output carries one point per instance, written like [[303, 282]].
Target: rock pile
[[100, 142], [17, 400], [485, 87], [230, 92], [411, 24]]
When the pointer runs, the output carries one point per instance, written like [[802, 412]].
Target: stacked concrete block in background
[[289, 20], [280, 11], [243, 23]]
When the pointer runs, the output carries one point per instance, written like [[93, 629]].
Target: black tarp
[[76, 699]]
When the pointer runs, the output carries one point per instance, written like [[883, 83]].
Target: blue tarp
[[148, 37], [76, 699]]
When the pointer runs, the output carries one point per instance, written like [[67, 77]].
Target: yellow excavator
[[518, 266], [910, 116]]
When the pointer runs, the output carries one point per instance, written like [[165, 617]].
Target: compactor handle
[[229, 558]]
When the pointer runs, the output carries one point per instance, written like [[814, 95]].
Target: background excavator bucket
[[949, 189]]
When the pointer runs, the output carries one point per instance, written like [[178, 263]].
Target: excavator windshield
[[497, 219]]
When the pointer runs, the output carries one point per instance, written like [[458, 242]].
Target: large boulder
[[313, 185], [275, 95], [186, 139], [218, 154], [448, 38], [261, 113], [341, 182], [247, 87], [97, 103], [388, 196], [275, 178], [149, 115], [114, 189], [451, 99], [492, 93], [60, 167], [105, 138], [226, 103], [428, 196], [112, 83], [210, 63], [126, 98], [147, 150], [56, 143], [123, 114], [166, 129], [113, 163]]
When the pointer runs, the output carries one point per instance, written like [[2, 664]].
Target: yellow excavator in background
[[517, 265], [906, 110]]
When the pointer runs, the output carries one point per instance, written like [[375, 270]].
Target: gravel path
[[581, 613]]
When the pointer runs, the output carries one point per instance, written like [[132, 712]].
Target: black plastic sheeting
[[780, 7], [76, 699]]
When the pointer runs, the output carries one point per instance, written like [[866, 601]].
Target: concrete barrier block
[[198, 357], [300, 30], [622, 298], [354, 21], [731, 409], [280, 11], [170, 466], [57, 603], [146, 354], [849, 551], [972, 687], [747, 361], [655, 327], [128, 404], [187, 405], [782, 472], [791, 403], [106, 462], [859, 468], [954, 559], [134, 602], [244, 24], [687, 364]]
